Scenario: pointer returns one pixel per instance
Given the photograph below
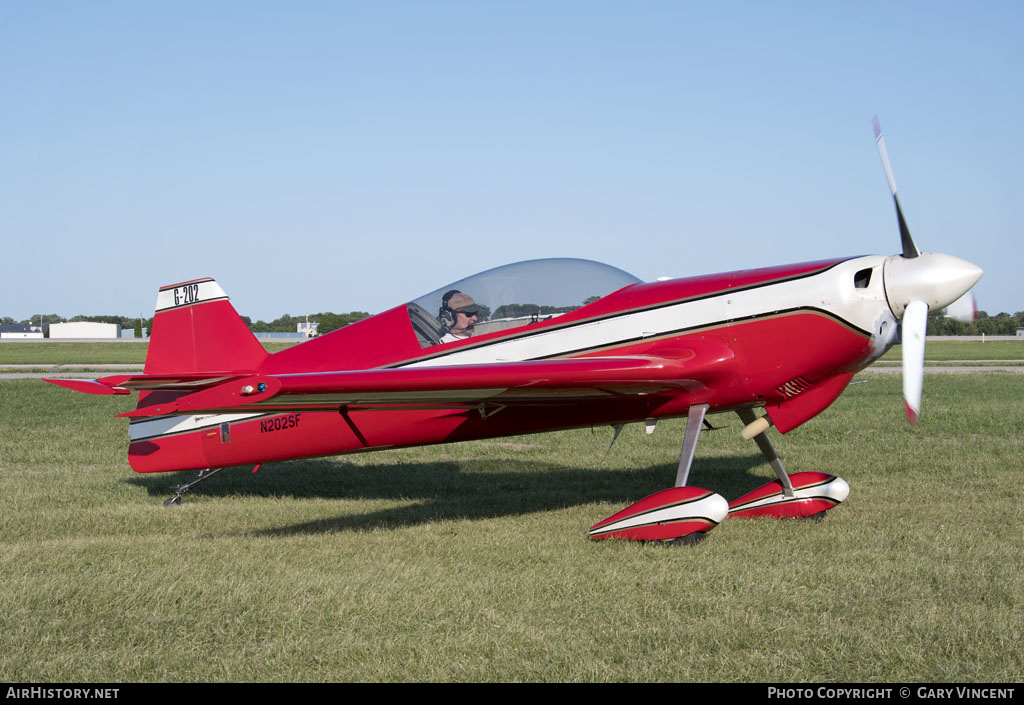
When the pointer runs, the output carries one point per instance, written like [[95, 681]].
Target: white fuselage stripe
[[171, 425], [831, 291]]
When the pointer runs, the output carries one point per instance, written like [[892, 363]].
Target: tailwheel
[[667, 516], [810, 495], [179, 490], [204, 475]]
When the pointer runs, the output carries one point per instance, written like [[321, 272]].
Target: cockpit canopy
[[519, 294]]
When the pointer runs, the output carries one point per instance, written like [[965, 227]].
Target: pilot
[[457, 316]]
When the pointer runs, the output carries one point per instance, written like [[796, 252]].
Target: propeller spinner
[[916, 282]]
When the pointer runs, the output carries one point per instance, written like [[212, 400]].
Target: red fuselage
[[776, 338]]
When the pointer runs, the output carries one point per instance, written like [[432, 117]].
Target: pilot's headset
[[445, 315]]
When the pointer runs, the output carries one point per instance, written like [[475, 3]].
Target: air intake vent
[[793, 387]]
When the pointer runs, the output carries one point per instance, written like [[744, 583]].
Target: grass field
[[50, 353], [945, 350], [471, 562]]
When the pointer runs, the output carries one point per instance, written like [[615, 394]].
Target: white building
[[21, 330], [85, 329]]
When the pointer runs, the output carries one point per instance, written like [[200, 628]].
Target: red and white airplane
[[557, 344]]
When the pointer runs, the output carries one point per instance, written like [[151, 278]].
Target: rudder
[[196, 329]]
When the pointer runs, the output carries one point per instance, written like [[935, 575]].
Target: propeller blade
[[915, 322], [964, 309], [909, 248]]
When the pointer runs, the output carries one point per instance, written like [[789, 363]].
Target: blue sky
[[341, 156]]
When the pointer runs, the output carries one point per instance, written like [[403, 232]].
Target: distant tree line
[[327, 321], [1000, 324], [522, 310]]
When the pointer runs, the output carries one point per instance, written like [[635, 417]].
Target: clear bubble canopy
[[524, 292]]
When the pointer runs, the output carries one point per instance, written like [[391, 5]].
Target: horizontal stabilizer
[[125, 384], [89, 386]]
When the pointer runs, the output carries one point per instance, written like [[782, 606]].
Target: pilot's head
[[464, 312]]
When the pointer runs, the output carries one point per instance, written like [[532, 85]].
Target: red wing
[[467, 385]]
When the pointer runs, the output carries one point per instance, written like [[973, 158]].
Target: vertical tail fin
[[196, 329]]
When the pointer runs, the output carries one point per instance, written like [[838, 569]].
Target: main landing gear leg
[[182, 489], [747, 416], [804, 494], [694, 420], [679, 514]]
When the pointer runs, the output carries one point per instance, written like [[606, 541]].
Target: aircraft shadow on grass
[[444, 490]]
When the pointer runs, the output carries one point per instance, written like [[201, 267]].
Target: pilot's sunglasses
[[466, 313]]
